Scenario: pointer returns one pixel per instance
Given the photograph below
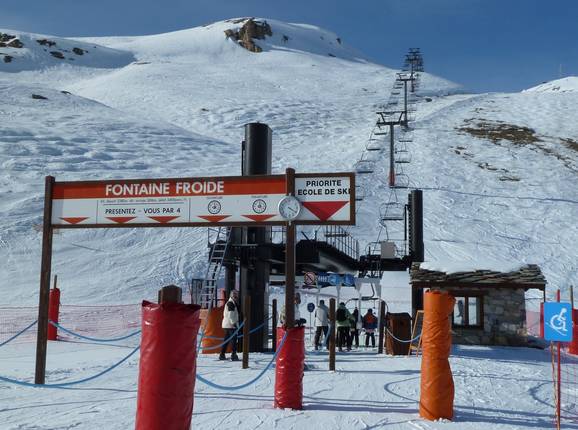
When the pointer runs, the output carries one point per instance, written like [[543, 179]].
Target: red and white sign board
[[229, 200], [184, 202], [326, 198]]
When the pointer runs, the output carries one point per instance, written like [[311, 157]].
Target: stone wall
[[504, 313]]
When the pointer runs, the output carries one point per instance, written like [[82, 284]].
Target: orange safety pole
[[437, 385]]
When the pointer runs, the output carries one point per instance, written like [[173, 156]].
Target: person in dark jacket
[[369, 325], [342, 318], [355, 326]]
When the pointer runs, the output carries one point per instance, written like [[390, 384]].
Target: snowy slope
[[148, 117], [499, 174], [564, 85], [178, 109], [27, 51]]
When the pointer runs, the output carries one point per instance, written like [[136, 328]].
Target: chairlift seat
[[364, 167]]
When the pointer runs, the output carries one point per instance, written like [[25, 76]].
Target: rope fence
[[248, 383]]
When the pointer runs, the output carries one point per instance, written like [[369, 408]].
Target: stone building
[[490, 306]]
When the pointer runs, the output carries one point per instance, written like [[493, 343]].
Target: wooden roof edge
[[483, 285]]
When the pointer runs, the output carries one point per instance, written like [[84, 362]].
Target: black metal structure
[[415, 210], [254, 271]]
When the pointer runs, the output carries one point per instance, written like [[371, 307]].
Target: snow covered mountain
[[564, 85], [498, 170]]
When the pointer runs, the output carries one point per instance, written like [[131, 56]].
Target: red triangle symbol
[[214, 218], [163, 219], [121, 219], [259, 218], [74, 220], [324, 210]]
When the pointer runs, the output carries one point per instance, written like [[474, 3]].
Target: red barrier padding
[[167, 368], [541, 320], [437, 384], [573, 346], [53, 312], [289, 368]]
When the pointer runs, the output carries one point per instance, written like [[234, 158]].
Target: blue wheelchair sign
[[558, 321]]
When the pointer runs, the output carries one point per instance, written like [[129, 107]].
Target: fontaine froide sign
[[326, 198]]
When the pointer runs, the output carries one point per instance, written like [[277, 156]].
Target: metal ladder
[[218, 250]]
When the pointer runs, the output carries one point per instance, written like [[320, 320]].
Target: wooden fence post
[[170, 294], [332, 334], [381, 326], [274, 324], [246, 329]]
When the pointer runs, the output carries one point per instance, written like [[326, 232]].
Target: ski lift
[[391, 211], [403, 157], [364, 167], [374, 145], [359, 193], [401, 181]]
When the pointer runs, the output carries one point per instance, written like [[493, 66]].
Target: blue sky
[[486, 45]]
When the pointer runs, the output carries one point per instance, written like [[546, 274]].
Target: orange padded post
[[213, 331], [437, 384]]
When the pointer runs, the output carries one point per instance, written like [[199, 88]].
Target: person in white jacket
[[230, 324], [321, 323], [297, 317]]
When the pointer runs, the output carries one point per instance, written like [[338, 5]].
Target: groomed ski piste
[[498, 173]]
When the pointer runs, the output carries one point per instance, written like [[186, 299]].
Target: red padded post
[[289, 368], [167, 368], [573, 346], [53, 312], [542, 320]]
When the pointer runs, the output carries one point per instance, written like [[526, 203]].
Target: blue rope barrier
[[63, 385], [222, 343], [18, 334], [403, 341], [92, 339], [253, 330], [246, 384], [250, 331]]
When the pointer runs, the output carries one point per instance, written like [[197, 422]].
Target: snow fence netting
[[437, 384], [289, 368], [167, 368]]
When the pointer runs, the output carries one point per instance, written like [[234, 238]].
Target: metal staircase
[[219, 238]]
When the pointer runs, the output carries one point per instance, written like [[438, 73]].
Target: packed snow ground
[[496, 388]]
